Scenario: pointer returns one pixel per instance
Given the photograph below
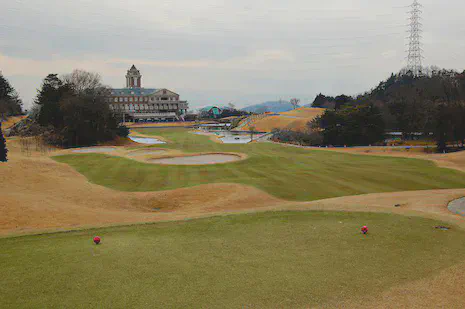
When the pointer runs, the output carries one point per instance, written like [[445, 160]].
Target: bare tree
[[252, 131], [295, 103], [84, 82]]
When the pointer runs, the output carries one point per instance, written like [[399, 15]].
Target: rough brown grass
[[41, 194], [454, 160]]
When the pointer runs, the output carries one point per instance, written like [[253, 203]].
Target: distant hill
[[270, 106]]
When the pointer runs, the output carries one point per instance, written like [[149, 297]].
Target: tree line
[[432, 104], [346, 126]]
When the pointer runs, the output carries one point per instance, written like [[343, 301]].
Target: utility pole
[[415, 30]]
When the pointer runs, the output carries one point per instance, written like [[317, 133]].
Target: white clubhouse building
[[136, 103]]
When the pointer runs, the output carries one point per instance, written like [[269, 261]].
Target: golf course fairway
[[286, 172], [263, 260]]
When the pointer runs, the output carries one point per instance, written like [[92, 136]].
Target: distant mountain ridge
[[270, 106]]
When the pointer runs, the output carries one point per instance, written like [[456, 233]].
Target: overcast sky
[[216, 52]]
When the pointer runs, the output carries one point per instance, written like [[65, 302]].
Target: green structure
[[210, 112]]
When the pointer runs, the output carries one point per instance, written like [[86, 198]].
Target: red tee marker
[[364, 229], [96, 240]]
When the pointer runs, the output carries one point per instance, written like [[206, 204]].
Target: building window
[[125, 99], [121, 99], [130, 99], [116, 99]]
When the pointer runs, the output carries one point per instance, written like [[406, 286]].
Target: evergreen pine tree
[[3, 150], [10, 103]]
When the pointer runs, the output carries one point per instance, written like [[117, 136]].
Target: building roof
[[133, 91], [208, 108]]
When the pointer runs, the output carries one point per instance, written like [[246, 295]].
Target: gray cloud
[[216, 52]]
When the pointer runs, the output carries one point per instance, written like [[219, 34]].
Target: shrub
[[3, 149], [310, 138], [122, 131]]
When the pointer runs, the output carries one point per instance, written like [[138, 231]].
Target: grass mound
[[267, 260]]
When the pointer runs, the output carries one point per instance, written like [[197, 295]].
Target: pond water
[[197, 160], [146, 140]]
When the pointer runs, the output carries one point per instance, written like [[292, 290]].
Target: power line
[[415, 30]]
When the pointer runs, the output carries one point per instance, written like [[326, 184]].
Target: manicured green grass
[[286, 172], [266, 260]]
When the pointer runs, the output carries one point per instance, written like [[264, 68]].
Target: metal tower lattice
[[415, 29]]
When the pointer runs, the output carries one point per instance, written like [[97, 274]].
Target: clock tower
[[133, 78]]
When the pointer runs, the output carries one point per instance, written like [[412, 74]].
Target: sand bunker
[[146, 140], [94, 149], [457, 206], [143, 152], [197, 159]]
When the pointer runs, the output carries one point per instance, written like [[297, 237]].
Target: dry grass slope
[[293, 120], [40, 194]]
